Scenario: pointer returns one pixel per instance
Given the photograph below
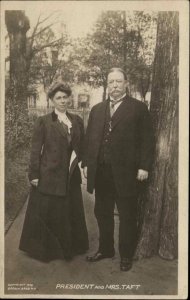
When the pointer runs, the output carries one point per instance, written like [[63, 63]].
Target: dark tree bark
[[104, 91], [16, 99], [160, 223], [17, 25], [144, 84], [124, 41]]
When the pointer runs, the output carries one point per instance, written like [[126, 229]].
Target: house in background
[[83, 97]]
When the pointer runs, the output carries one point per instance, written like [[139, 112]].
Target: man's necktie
[[112, 106]]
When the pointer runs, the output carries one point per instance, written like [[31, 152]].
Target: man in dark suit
[[118, 155]]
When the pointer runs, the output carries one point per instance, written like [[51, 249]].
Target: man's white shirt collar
[[112, 99], [117, 104]]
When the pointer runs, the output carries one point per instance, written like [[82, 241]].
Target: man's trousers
[[105, 198]]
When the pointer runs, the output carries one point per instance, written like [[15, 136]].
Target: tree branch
[[36, 28], [54, 43], [50, 15], [34, 32], [45, 28]]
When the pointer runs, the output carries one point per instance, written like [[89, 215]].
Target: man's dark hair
[[118, 70], [59, 86]]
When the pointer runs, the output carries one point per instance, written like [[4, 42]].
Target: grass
[[16, 185]]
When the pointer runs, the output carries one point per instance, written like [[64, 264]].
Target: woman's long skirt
[[54, 226]]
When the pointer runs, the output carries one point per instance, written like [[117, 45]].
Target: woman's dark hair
[[118, 70], [59, 86]]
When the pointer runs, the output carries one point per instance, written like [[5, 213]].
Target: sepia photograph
[[94, 149]]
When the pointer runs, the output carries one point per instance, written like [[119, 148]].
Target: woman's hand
[[34, 182], [85, 172]]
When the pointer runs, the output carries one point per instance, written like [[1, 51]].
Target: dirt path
[[24, 275]]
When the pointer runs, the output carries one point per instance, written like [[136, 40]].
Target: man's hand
[[85, 172], [142, 175], [34, 182]]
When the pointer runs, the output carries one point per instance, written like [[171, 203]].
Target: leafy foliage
[[26, 67], [46, 63], [117, 39], [18, 125], [122, 41]]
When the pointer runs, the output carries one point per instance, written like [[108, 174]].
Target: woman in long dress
[[54, 225]]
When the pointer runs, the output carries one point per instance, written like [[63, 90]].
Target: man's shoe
[[97, 256], [126, 264]]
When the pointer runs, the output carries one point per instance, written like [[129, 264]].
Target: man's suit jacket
[[131, 143], [50, 153]]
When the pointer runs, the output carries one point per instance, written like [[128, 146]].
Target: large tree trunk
[[124, 41], [159, 228], [104, 91], [16, 100], [17, 26]]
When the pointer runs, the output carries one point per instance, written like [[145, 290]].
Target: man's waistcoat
[[105, 151]]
